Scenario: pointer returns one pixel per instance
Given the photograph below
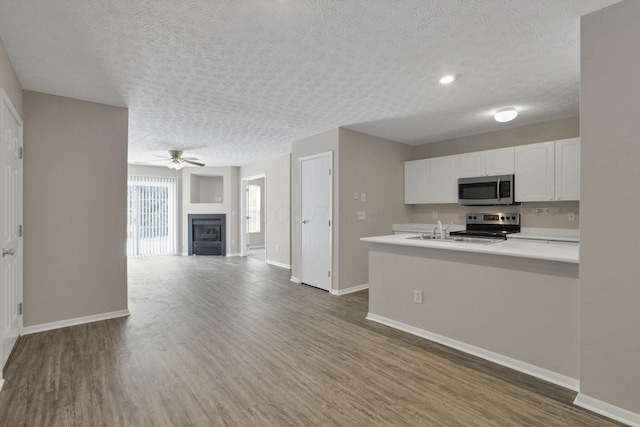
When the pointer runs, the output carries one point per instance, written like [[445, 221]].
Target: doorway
[[11, 229], [316, 220], [254, 230]]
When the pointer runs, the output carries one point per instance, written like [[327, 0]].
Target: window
[[254, 208], [152, 216]]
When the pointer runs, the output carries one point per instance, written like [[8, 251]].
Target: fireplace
[[207, 234]]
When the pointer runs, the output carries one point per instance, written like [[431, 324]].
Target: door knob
[[7, 252]]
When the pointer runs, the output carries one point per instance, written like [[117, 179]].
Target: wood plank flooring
[[232, 342]]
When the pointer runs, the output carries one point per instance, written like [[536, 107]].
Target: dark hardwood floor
[[231, 341]]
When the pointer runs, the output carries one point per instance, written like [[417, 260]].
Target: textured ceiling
[[236, 81]]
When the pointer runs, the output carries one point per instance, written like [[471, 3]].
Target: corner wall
[[375, 167], [609, 268], [75, 202]]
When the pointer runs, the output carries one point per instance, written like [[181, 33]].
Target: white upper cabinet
[[416, 181], [487, 163], [567, 169], [535, 172], [444, 179]]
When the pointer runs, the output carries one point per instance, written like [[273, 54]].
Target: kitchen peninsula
[[515, 302]]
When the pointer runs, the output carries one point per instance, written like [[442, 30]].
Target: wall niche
[[207, 188]]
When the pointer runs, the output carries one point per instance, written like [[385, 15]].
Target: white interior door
[[315, 220], [11, 227]]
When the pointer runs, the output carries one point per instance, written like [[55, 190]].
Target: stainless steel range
[[490, 225]]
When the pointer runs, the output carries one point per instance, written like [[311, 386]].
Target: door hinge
[[329, 172], [329, 223], [329, 273], [19, 308], [19, 231], [20, 153]]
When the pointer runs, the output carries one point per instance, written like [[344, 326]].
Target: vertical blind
[[152, 216]]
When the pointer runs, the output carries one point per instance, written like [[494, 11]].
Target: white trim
[[349, 290], [74, 322], [184, 254], [295, 279], [278, 264], [233, 255], [256, 247], [607, 409], [518, 365]]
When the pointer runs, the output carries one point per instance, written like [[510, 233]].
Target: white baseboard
[[73, 322], [234, 254], [518, 365], [278, 264], [607, 410], [295, 279], [184, 253], [349, 290]]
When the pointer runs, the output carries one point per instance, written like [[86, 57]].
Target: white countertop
[[534, 249], [559, 234]]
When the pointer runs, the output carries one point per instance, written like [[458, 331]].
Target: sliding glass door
[[152, 216]]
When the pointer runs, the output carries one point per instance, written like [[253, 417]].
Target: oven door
[[486, 190]]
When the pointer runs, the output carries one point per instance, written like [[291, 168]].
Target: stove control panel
[[494, 218]]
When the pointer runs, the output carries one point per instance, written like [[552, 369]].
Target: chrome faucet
[[443, 230]]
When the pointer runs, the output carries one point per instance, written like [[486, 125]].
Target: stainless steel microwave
[[486, 190]]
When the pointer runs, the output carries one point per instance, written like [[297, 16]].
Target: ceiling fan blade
[[162, 157], [192, 162], [152, 160], [189, 158]]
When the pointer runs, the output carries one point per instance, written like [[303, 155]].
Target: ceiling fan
[[176, 161]]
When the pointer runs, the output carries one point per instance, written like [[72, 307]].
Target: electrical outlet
[[355, 195], [417, 296], [434, 214], [571, 216], [362, 215], [362, 197], [277, 248]]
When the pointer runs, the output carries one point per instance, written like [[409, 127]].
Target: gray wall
[[609, 267], [373, 166], [277, 207], [75, 199]]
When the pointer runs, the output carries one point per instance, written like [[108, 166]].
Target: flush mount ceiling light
[[445, 80], [505, 114]]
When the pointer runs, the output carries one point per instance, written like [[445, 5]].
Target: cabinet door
[[568, 169], [472, 164], [416, 181], [535, 172], [444, 179], [500, 161]]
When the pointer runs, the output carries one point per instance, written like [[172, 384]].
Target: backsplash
[[448, 213]]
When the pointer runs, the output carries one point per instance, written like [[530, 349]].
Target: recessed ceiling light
[[445, 80], [505, 114]]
